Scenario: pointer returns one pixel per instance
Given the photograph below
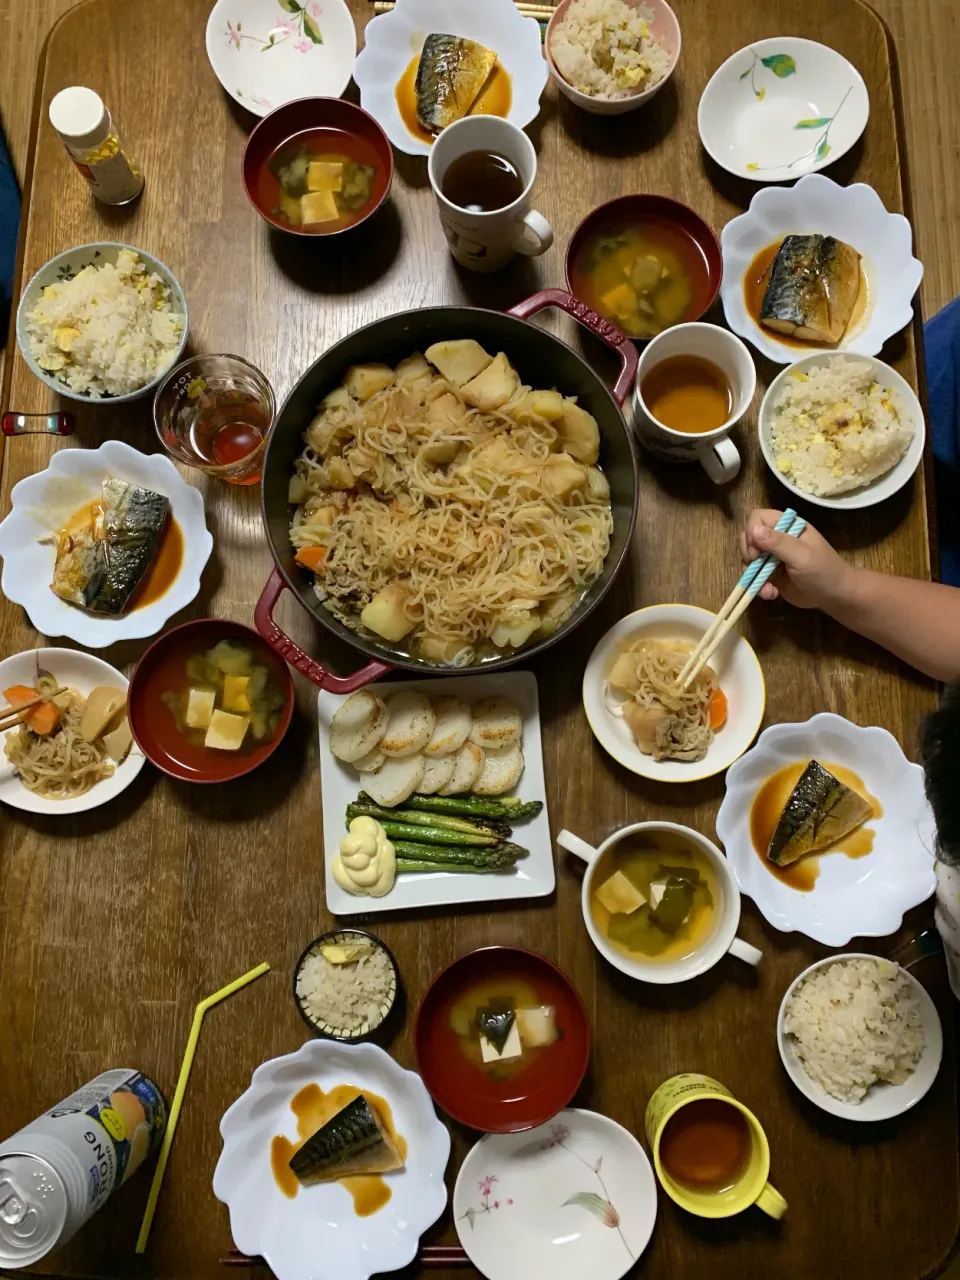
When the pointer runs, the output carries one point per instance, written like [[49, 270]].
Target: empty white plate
[[782, 107], [574, 1198]]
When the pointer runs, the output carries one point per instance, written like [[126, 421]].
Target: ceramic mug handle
[[771, 1201], [743, 951], [533, 234], [573, 844], [719, 459]]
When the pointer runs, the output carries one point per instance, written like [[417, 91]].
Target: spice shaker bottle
[[86, 130]]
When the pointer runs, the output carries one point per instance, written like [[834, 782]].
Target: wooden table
[[114, 923]]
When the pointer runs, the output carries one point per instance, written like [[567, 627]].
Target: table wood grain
[[114, 923]]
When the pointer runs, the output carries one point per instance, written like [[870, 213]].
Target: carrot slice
[[43, 719], [312, 558], [718, 709]]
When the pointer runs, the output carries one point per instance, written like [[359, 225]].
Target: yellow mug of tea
[[710, 1152]]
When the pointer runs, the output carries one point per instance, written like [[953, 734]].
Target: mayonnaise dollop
[[366, 864]]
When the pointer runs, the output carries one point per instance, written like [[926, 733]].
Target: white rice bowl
[[836, 426], [101, 321], [346, 1000], [604, 48], [854, 1023]]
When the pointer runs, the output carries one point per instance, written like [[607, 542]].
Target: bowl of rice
[[612, 56], [860, 1037], [841, 431], [102, 321], [346, 984]]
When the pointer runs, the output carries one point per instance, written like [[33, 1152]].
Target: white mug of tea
[[694, 384], [482, 171], [698, 902]]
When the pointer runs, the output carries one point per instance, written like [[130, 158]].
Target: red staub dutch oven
[[542, 360]]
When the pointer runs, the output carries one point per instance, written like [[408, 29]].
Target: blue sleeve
[[942, 344], [9, 225]]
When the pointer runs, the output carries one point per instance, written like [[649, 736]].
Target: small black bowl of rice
[[346, 984]]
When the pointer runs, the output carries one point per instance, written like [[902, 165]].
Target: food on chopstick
[[365, 863], [346, 987], [502, 1025], [655, 896], [345, 1134], [224, 698], [323, 179], [407, 742], [644, 275], [811, 289], [66, 744], [837, 427], [854, 1024], [605, 48], [456, 514], [666, 722], [382, 843], [106, 331], [106, 552], [450, 75], [821, 810]]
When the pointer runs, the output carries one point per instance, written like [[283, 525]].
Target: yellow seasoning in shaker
[[86, 130]]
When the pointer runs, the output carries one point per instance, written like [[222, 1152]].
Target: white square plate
[[534, 877]]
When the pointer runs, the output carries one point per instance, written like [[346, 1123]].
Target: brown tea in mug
[[481, 182], [706, 1145], [688, 393]]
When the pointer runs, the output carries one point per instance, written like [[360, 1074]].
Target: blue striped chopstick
[[757, 573]]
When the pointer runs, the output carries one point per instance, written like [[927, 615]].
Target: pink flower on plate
[[284, 26], [486, 1184], [315, 10], [302, 46], [233, 37], [559, 1133]]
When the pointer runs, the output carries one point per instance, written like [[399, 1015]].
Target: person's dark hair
[[940, 757]]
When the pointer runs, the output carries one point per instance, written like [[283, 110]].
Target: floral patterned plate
[[267, 52], [574, 1198], [781, 108]]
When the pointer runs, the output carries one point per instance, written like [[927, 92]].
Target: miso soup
[[655, 896]]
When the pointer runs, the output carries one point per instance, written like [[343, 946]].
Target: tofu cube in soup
[[318, 206], [325, 175], [200, 705], [226, 732]]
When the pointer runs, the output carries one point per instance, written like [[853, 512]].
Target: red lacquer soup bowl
[[519, 1093], [161, 675]]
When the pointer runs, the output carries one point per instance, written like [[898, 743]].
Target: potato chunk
[[561, 476], [339, 474], [516, 632], [386, 614], [458, 360], [578, 433], [412, 369], [493, 387], [539, 404], [365, 380]]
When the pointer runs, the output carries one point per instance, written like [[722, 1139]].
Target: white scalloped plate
[[42, 503], [395, 37], [317, 1235], [853, 898], [855, 214], [83, 672]]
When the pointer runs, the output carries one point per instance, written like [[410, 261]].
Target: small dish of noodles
[[852, 1024], [606, 49], [345, 984]]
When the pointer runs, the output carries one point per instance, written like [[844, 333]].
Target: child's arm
[[918, 621]]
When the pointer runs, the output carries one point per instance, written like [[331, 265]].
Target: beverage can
[[58, 1170]]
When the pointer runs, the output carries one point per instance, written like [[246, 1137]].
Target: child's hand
[[811, 574]]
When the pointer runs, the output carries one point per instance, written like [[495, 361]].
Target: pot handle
[[282, 645], [602, 329]]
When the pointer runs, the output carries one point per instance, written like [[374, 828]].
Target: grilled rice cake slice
[[820, 812], [812, 289], [450, 75]]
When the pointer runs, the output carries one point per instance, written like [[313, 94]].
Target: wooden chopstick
[[542, 12], [13, 716], [758, 572]]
